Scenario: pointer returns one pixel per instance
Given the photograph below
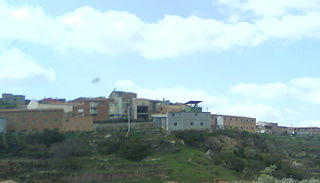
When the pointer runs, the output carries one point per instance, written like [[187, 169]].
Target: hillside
[[153, 156]]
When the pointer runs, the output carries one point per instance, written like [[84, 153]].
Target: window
[[175, 124], [201, 124], [196, 114], [191, 124], [173, 114]]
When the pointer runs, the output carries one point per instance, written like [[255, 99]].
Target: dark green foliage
[[70, 148], [192, 138], [50, 137], [109, 146], [66, 164], [134, 148]]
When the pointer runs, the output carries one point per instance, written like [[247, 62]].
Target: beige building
[[233, 123], [144, 108], [165, 107], [67, 108], [120, 104]]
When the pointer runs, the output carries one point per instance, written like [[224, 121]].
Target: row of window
[[191, 124], [239, 128]]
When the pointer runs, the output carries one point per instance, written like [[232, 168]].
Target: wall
[[189, 121], [236, 123], [122, 126], [77, 124], [33, 120]]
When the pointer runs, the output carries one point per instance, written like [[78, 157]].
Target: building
[[121, 104], [267, 127], [38, 120], [227, 122], [166, 106], [193, 119], [48, 104], [18, 100], [98, 108], [144, 108], [306, 130], [3, 126]]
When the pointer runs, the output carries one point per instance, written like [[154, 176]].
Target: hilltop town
[[124, 111]]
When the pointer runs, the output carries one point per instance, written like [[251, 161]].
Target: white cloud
[[304, 89], [273, 8], [15, 65], [120, 32], [265, 91]]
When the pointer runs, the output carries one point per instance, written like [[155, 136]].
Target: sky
[[253, 58]]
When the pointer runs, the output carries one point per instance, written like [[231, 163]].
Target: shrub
[[134, 149], [192, 138], [50, 137], [108, 146], [69, 148]]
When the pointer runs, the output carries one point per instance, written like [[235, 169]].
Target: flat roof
[[28, 110], [232, 116], [193, 102]]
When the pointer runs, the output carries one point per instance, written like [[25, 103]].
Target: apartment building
[[267, 127], [144, 108], [121, 104], [18, 100], [233, 123], [97, 107]]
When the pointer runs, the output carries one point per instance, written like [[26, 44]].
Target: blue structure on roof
[[193, 106]]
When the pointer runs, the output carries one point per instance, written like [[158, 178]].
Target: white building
[[179, 121]]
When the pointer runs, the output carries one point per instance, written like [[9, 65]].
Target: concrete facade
[[3, 126], [233, 123], [98, 108], [121, 104], [179, 121], [144, 108]]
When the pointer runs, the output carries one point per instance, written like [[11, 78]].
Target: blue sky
[[241, 57]]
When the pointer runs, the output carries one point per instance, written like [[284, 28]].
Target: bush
[[134, 149], [69, 148], [50, 137], [193, 138], [108, 146], [232, 162]]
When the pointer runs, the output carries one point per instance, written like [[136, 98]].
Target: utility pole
[[129, 122]]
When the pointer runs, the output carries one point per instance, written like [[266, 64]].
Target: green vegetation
[[153, 156]]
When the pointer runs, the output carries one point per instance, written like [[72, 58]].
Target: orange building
[[27, 121], [98, 108], [233, 123]]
